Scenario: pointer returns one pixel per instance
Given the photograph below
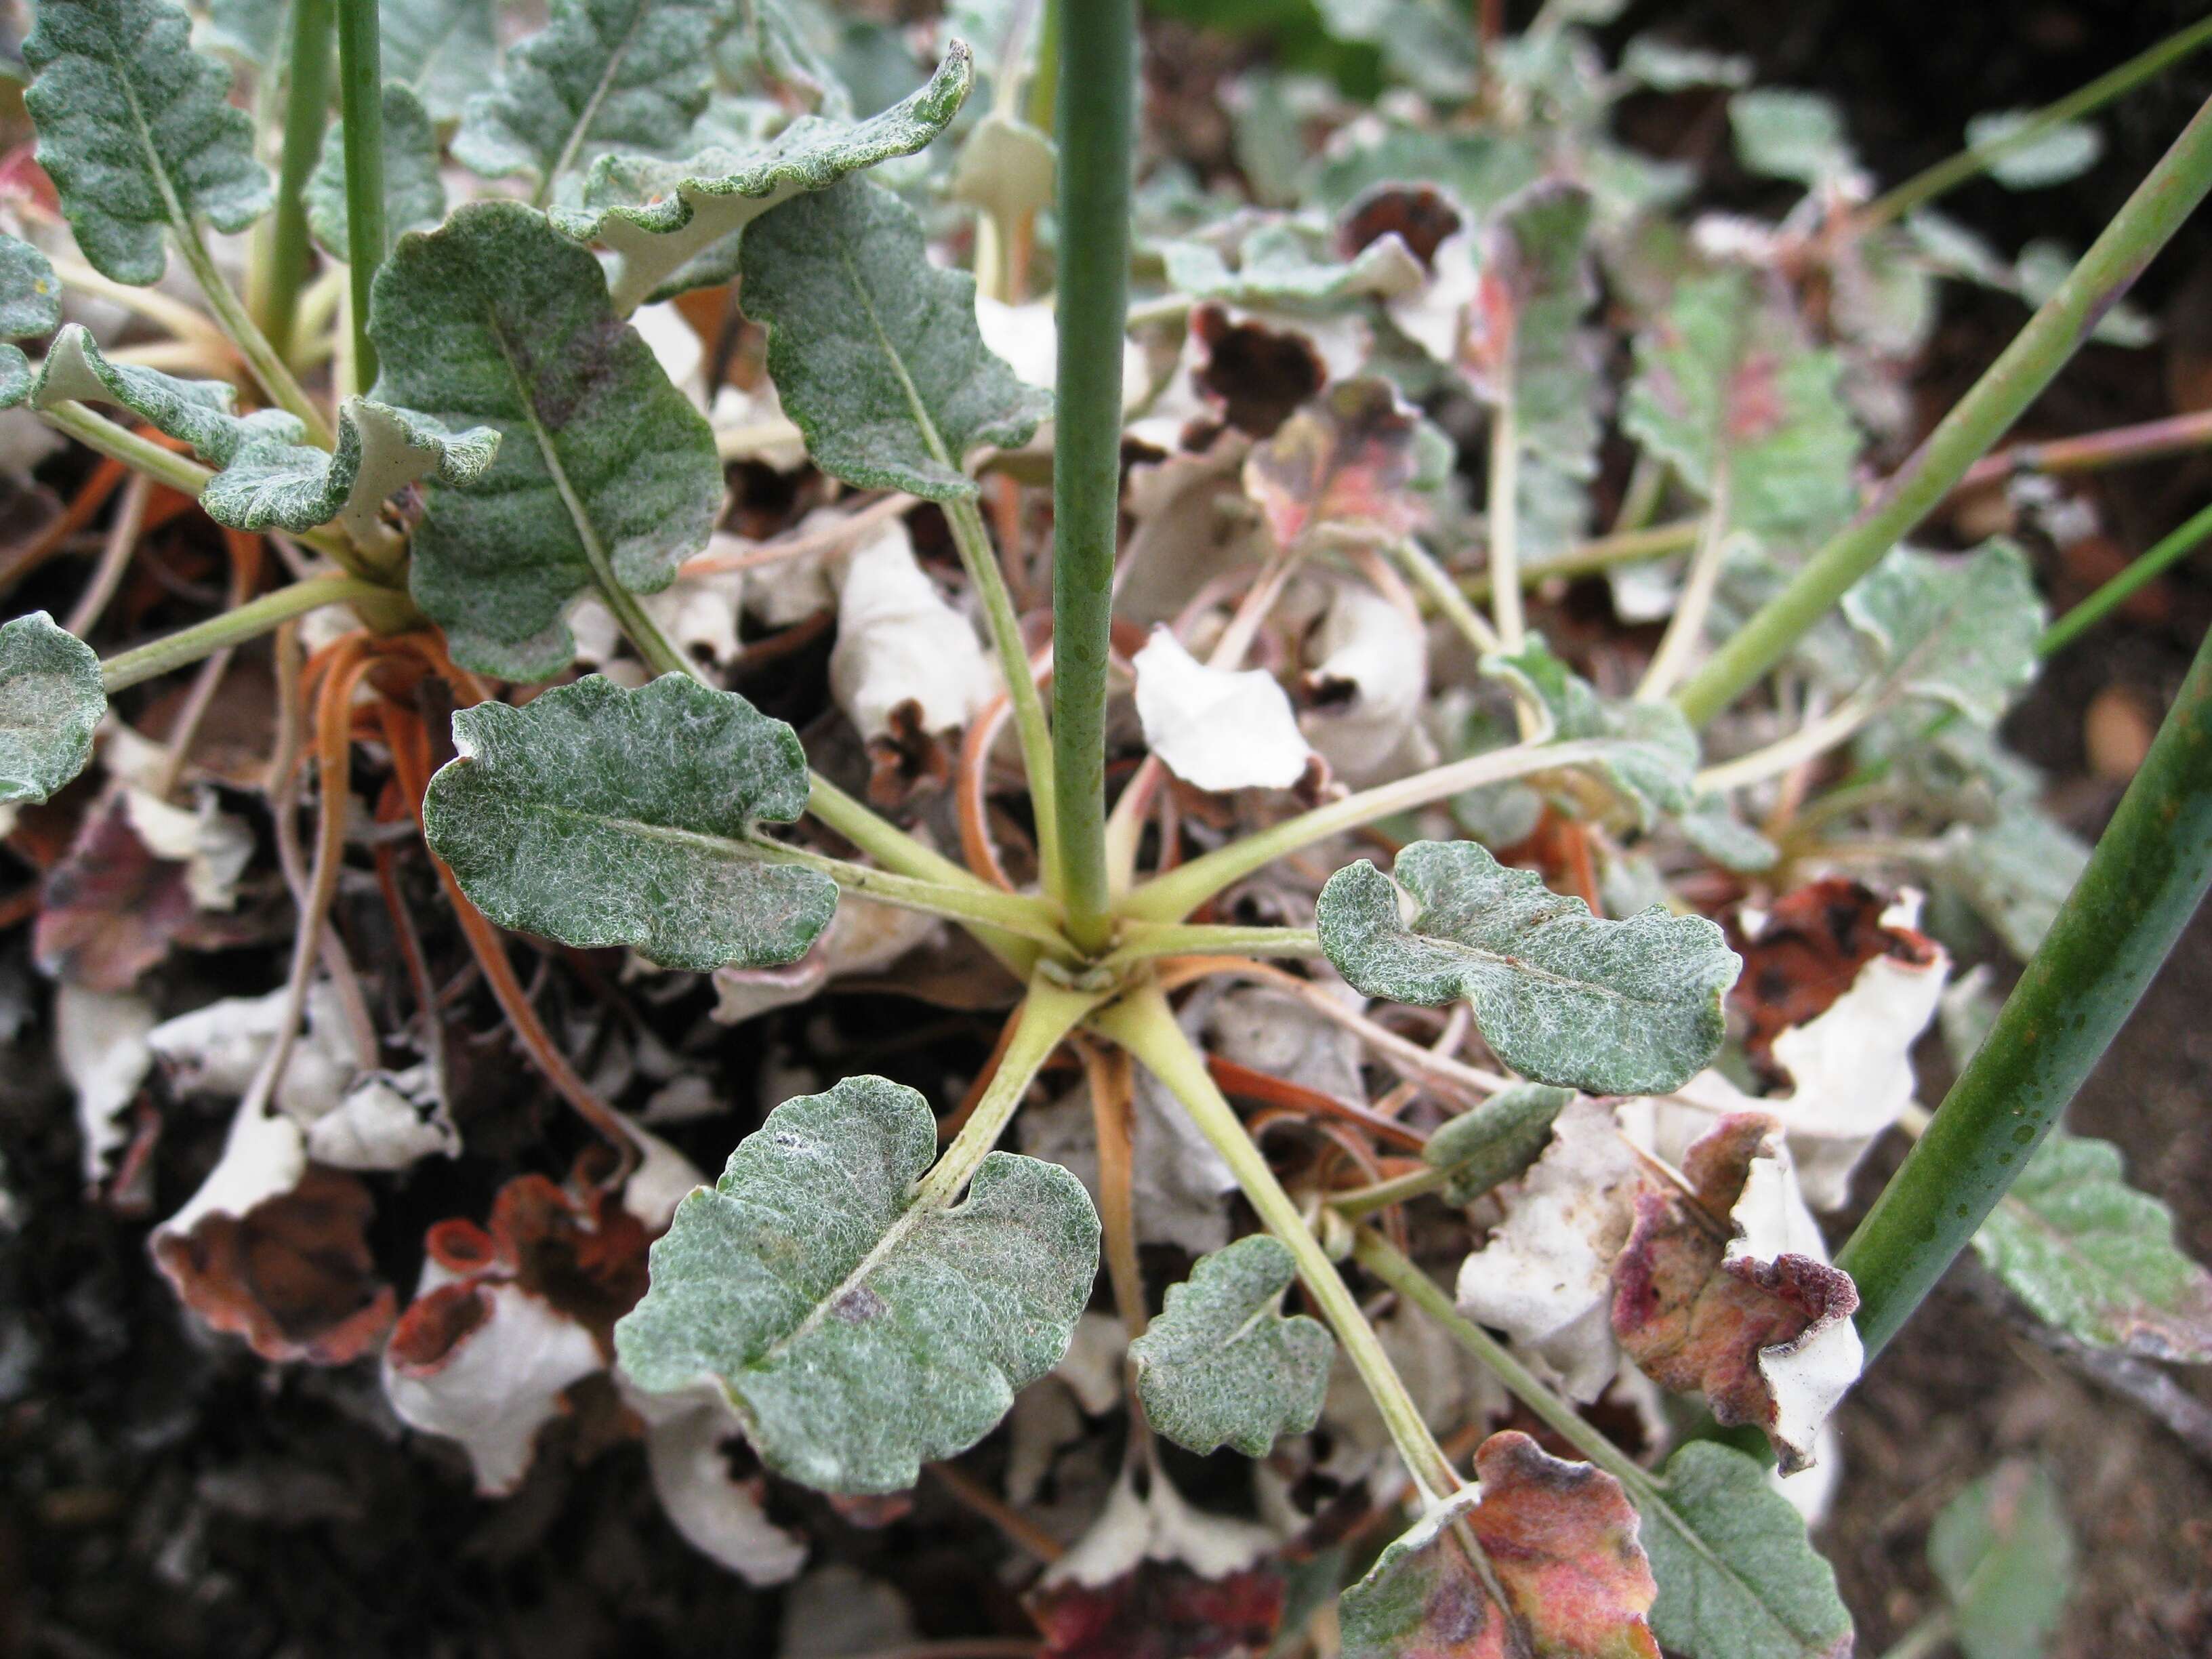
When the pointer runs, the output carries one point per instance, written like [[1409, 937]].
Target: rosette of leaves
[[674, 224], [859, 1330], [601, 816], [1562, 996], [51, 700]]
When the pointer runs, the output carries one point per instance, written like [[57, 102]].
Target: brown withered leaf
[[1256, 374], [1161, 1610], [1709, 1296], [1560, 1543], [1420, 215], [1806, 953], [1347, 457]]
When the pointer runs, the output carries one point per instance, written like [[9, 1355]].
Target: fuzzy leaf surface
[[1496, 1141], [137, 131], [2004, 1554], [1738, 1578], [1278, 267], [270, 477], [860, 1333], [1222, 1366], [414, 193], [2014, 872], [1653, 754], [607, 476], [1958, 631], [30, 306], [599, 816], [2058, 154], [601, 74], [658, 214], [1563, 997], [874, 350], [1784, 133], [50, 699], [2095, 1257], [443, 50], [1727, 393], [1561, 1541]]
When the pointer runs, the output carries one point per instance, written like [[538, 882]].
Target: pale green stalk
[[1686, 629], [1504, 513], [1047, 1014], [1624, 547], [307, 111], [1013, 912], [249, 621], [252, 345], [361, 101], [1140, 940], [1443, 592]]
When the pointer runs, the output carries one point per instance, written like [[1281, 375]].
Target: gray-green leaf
[[1651, 754], [874, 350], [50, 699], [601, 816], [1958, 631], [30, 306], [2015, 873], [601, 74], [1496, 1141], [1613, 1007], [269, 477], [1784, 133], [2052, 157], [414, 193], [444, 51], [137, 130], [2092, 1256], [860, 1333], [657, 216], [1738, 1579], [2004, 1554], [1222, 1366], [607, 476], [1280, 267]]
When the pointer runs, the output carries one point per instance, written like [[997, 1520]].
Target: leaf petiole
[[1013, 912], [249, 621], [1047, 1016], [269, 369], [1142, 939]]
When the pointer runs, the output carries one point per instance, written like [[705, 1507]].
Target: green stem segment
[[1925, 186], [269, 369], [2151, 215], [1140, 939], [1143, 1025], [1097, 93], [1047, 1015], [361, 98], [2150, 868], [2177, 544], [307, 111], [249, 621], [1014, 912]]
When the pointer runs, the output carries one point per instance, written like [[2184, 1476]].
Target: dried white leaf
[[900, 640], [720, 1516], [751, 426], [698, 615], [677, 345], [1434, 314], [1159, 1526], [386, 1121], [263, 1155], [1371, 665], [1217, 728], [664, 1177], [1093, 1365], [213, 846], [101, 1044]]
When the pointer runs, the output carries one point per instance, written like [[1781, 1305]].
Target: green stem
[[1143, 1025], [2177, 544], [1371, 1251], [2150, 868], [307, 111], [361, 101], [1046, 84], [1013, 912], [249, 621], [1357, 1202], [1686, 629], [1047, 1014], [1925, 186], [2151, 215], [261, 357], [989, 581], [1142, 939], [1174, 896], [1624, 547], [1443, 592], [1097, 90]]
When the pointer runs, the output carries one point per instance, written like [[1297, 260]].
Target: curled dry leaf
[[1217, 728], [1558, 1546], [1726, 1290], [1347, 459], [1365, 691], [719, 1514], [101, 1042]]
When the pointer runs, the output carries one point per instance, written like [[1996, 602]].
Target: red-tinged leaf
[[1160, 1610], [293, 1275], [1559, 1544], [1706, 1300], [1346, 458], [1806, 953], [1256, 374]]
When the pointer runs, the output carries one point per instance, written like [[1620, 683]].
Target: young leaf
[[1564, 997], [606, 476], [601, 74], [1496, 1141], [873, 349], [859, 1332], [1653, 755], [1222, 1366], [1729, 394], [50, 699], [598, 815], [137, 130], [1958, 631], [1560, 1540], [30, 306], [443, 51], [269, 477], [2094, 1257], [2004, 1554], [659, 216], [414, 194], [1738, 1579]]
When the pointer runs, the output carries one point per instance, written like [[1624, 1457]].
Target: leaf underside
[[1562, 996], [601, 816], [858, 1332], [50, 699]]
